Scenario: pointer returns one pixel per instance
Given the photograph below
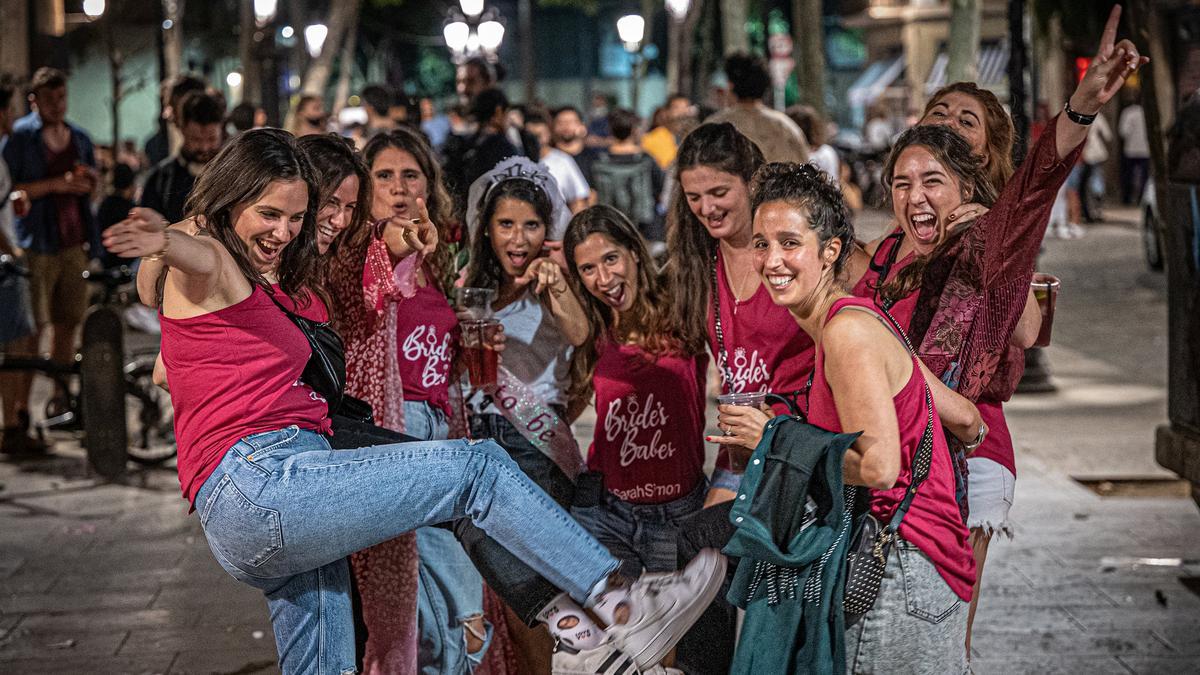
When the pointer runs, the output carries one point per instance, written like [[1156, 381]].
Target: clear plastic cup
[[481, 359], [1045, 291], [474, 304], [749, 399]]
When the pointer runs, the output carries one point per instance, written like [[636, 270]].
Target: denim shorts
[[642, 536], [990, 488], [918, 624]]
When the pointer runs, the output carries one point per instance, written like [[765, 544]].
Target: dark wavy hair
[[237, 176], [437, 202], [334, 159], [998, 127], [484, 270], [954, 154], [807, 188], [690, 249], [647, 323]]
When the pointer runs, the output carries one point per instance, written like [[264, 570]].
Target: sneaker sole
[[672, 630]]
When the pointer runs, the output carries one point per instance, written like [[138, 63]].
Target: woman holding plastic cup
[[646, 460], [756, 345]]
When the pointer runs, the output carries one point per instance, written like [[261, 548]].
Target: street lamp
[[631, 28], [93, 8], [264, 11], [314, 38], [473, 31], [678, 9]]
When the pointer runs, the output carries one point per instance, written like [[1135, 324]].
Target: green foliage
[[435, 74]]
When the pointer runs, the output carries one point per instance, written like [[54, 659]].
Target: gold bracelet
[[162, 251]]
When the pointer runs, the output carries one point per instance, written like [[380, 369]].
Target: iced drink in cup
[[1045, 291], [474, 303], [749, 399], [477, 350]]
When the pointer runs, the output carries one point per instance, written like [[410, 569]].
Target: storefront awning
[[992, 69], [875, 79]]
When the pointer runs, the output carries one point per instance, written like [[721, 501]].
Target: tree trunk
[[808, 32], [346, 65], [963, 43], [248, 54], [733, 26], [173, 38], [316, 77]]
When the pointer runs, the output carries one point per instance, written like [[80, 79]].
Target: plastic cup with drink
[[479, 328], [1045, 291]]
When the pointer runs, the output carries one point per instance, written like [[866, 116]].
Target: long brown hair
[[437, 202], [954, 154], [690, 248], [998, 127], [238, 175], [647, 323], [334, 159], [485, 270]]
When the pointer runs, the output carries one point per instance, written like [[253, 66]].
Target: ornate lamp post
[[472, 30], [631, 28]]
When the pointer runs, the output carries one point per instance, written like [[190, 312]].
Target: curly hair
[[240, 174], [690, 249], [646, 324], [998, 127], [437, 202], [484, 270], [954, 154], [806, 187]]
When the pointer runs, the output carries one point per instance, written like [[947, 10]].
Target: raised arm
[[197, 259], [549, 283]]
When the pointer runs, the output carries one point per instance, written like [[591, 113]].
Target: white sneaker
[[662, 607], [603, 660]]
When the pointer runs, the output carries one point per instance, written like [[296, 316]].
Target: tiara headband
[[518, 168]]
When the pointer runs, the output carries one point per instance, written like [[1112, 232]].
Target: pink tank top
[[232, 373], [649, 438], [427, 337], [933, 523]]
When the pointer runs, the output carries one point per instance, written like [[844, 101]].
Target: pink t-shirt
[[235, 372], [933, 523], [765, 347], [649, 439], [426, 343]]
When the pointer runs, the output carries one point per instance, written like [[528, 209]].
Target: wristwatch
[[1078, 117], [978, 440]]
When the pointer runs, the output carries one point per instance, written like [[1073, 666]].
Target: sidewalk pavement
[[107, 578]]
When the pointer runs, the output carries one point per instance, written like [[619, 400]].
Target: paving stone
[[22, 642], [1105, 618], [1047, 665], [69, 664], [102, 620], [1023, 621], [237, 638], [68, 602], [8, 622], [1159, 665], [28, 581], [207, 661], [1138, 593], [1069, 643], [1084, 594]]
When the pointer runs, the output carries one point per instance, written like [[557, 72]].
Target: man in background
[[775, 134], [201, 122]]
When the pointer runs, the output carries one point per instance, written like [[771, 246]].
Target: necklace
[[737, 288]]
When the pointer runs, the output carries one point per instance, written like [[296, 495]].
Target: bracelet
[[974, 445], [1078, 117], [162, 251]]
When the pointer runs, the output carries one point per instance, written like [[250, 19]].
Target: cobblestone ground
[[116, 578]]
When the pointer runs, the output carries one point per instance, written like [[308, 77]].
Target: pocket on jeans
[[926, 594], [245, 533]]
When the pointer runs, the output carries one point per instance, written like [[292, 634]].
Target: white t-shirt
[[1132, 127], [1095, 149], [571, 182], [535, 350]]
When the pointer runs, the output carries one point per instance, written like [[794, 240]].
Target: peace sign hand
[[1113, 64]]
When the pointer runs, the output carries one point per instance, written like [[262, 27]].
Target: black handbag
[[871, 543], [325, 371]]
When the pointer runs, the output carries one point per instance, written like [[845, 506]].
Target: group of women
[[318, 508]]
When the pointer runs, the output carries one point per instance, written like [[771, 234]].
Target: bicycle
[[154, 419]]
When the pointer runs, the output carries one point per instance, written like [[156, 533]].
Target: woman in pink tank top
[[280, 509], [865, 379], [646, 461]]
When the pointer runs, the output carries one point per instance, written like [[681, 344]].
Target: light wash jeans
[[449, 588], [282, 511], [918, 625]]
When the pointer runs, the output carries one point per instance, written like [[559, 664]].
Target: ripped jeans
[[282, 511]]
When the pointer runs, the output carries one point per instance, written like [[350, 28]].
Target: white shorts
[[990, 488]]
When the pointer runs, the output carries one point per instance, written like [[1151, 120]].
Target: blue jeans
[[282, 511], [641, 536], [449, 588]]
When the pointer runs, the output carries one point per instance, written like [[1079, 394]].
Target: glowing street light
[[93, 8], [233, 79], [491, 34], [471, 8], [456, 33], [631, 28], [287, 32], [264, 11], [678, 8], [314, 38]]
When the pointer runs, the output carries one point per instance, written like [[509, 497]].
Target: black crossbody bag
[[325, 371]]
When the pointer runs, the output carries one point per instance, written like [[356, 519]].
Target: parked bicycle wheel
[[151, 418]]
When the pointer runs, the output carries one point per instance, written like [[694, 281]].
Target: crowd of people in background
[[609, 261]]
